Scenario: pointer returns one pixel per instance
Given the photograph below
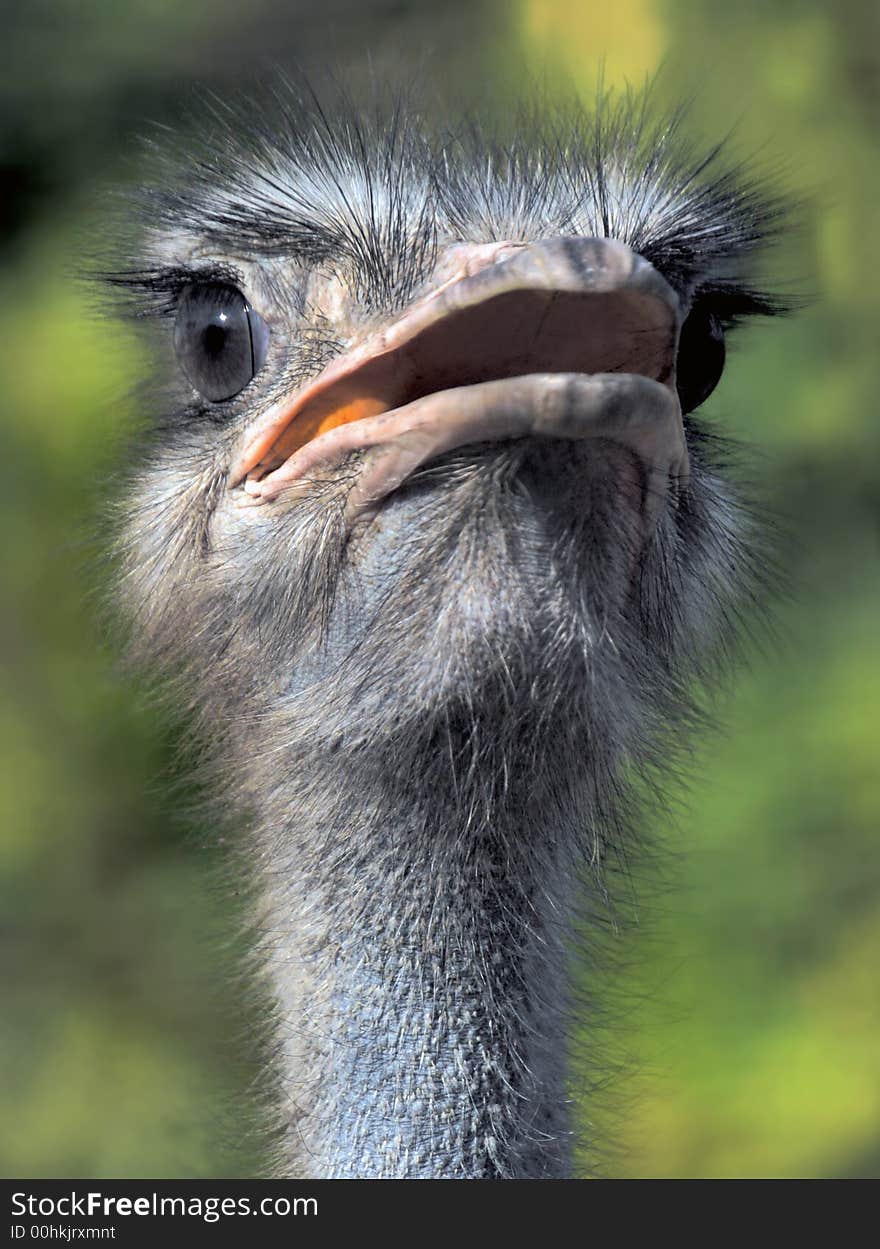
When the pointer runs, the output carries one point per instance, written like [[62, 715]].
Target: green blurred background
[[751, 1029]]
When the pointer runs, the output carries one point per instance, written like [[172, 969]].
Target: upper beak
[[567, 337]]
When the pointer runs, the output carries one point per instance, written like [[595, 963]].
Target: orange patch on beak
[[340, 406], [310, 424]]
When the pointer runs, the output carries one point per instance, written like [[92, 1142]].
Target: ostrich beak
[[565, 338]]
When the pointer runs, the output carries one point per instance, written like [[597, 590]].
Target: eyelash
[[156, 292]]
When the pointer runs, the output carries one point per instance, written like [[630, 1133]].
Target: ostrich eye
[[700, 360], [220, 340]]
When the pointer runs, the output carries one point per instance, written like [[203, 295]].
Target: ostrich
[[434, 542]]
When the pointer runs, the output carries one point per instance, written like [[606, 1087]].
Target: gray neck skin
[[420, 967]]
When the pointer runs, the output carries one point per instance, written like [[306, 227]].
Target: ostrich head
[[433, 534]]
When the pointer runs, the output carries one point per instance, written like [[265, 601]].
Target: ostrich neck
[[419, 958]]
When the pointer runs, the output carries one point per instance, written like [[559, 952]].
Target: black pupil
[[700, 358], [214, 339]]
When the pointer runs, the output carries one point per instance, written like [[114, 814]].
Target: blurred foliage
[[752, 1001]]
